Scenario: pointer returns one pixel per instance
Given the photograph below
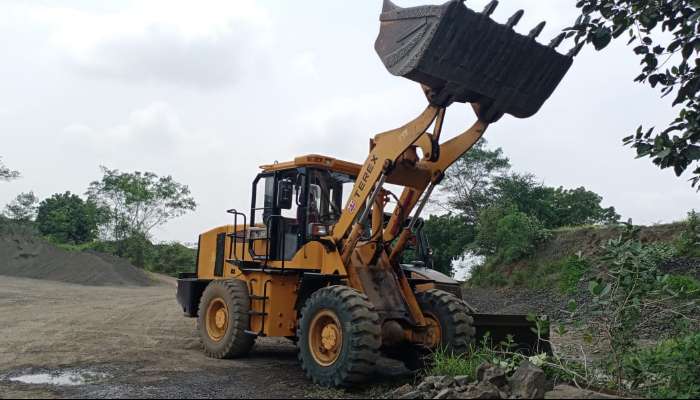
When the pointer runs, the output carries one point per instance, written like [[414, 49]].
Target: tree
[[554, 208], [7, 174], [468, 181], [22, 208], [449, 236], [68, 219], [139, 201], [666, 34], [574, 207]]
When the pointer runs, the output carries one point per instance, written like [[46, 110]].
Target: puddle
[[62, 378]]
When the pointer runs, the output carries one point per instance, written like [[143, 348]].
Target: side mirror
[[285, 194]]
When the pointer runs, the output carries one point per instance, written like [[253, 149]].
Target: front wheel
[[450, 329], [448, 317], [339, 337]]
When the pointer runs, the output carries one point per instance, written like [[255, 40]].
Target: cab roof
[[318, 161]]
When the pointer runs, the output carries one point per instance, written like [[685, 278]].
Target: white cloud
[[151, 136], [184, 43]]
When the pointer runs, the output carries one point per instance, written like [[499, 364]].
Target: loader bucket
[[523, 335], [464, 56]]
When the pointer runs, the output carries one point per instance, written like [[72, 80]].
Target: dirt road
[[126, 342]]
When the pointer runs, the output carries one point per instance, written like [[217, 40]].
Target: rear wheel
[[339, 337], [223, 320]]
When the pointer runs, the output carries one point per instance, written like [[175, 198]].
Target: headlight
[[320, 230]]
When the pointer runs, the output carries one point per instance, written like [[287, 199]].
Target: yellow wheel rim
[[326, 338], [217, 319], [434, 334]]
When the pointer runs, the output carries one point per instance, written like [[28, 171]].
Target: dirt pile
[[31, 257]]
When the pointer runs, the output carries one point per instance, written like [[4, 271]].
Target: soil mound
[[31, 257]]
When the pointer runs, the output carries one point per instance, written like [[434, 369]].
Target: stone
[[570, 392], [445, 394], [528, 381], [483, 390], [435, 380], [412, 395], [462, 380], [492, 374], [445, 382], [401, 391], [425, 386]]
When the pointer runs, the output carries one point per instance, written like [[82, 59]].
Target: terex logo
[[363, 181]]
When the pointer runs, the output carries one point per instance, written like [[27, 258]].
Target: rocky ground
[[527, 382]]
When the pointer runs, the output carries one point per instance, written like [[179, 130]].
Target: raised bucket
[[465, 56]]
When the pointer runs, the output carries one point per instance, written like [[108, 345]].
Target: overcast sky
[[207, 91]]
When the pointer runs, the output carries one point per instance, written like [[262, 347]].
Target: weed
[[669, 370], [686, 287]]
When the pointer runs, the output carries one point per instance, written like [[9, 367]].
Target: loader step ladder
[[262, 314]]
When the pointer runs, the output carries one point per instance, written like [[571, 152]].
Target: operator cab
[[298, 202]]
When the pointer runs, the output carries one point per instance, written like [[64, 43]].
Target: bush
[[572, 271], [486, 276], [168, 258], [688, 244], [508, 234], [172, 259], [669, 370], [10, 227]]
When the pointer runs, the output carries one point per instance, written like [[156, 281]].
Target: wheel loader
[[317, 260]]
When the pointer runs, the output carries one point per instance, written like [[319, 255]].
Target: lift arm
[[388, 148], [394, 157]]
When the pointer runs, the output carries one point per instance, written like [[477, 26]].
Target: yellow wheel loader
[[316, 259]]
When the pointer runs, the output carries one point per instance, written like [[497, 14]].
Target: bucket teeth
[[515, 18], [389, 6], [557, 40], [490, 8], [577, 49], [538, 30]]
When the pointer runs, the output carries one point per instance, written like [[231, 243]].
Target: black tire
[[235, 342], [361, 337], [453, 315]]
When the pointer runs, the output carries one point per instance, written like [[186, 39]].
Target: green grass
[[687, 287], [447, 364], [564, 274]]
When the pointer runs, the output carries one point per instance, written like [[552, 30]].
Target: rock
[[528, 382], [425, 386], [462, 380], [491, 374], [445, 382], [483, 390], [434, 379], [412, 395], [401, 391], [445, 394], [570, 392]]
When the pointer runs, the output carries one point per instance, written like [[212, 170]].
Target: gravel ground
[[138, 344]]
